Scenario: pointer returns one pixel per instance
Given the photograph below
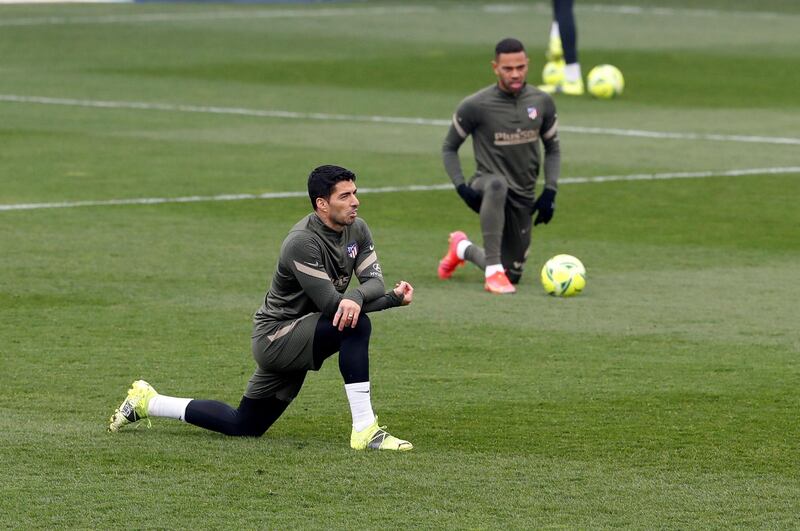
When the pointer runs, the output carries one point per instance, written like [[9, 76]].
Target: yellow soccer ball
[[553, 73], [605, 82], [563, 276]]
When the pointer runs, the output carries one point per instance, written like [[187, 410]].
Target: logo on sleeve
[[376, 271], [352, 249], [532, 113]]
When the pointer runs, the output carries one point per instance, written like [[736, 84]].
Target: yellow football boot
[[134, 407], [377, 438]]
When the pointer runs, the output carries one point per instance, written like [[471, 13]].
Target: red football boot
[[451, 261], [499, 283]]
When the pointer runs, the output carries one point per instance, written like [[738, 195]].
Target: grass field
[[665, 396]]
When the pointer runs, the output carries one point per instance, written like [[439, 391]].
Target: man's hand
[[346, 315], [546, 205], [471, 197], [405, 290]]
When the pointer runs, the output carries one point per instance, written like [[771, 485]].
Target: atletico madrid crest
[[532, 113], [352, 249]]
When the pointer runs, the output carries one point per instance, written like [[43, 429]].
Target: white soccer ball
[[563, 276], [605, 82]]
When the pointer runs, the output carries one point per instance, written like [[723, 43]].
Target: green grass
[[665, 396]]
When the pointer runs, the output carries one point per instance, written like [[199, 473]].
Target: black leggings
[[352, 344], [562, 11], [253, 417]]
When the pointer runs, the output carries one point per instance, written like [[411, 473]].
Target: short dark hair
[[508, 45], [323, 179]]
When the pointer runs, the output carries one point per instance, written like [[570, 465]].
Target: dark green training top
[[314, 269], [505, 130]]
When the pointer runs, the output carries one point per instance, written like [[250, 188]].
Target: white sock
[[572, 72], [494, 268], [360, 404], [168, 406], [461, 248], [554, 30]]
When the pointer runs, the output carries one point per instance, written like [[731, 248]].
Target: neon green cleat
[[377, 438], [134, 407], [555, 52], [570, 88], [549, 89]]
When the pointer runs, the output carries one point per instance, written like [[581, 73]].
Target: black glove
[[471, 197], [546, 205]]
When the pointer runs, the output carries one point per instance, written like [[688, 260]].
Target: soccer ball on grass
[[605, 82], [553, 73], [563, 276]]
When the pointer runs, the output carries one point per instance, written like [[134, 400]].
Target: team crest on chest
[[352, 249], [532, 113]]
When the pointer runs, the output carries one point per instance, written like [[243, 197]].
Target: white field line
[[637, 11], [613, 131], [34, 2], [390, 189], [679, 12], [491, 8], [291, 115], [217, 15]]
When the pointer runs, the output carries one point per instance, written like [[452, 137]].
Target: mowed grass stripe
[[399, 120], [214, 16], [525, 419], [390, 189], [665, 396], [388, 10]]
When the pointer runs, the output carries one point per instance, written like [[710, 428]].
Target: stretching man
[[507, 120], [307, 316]]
